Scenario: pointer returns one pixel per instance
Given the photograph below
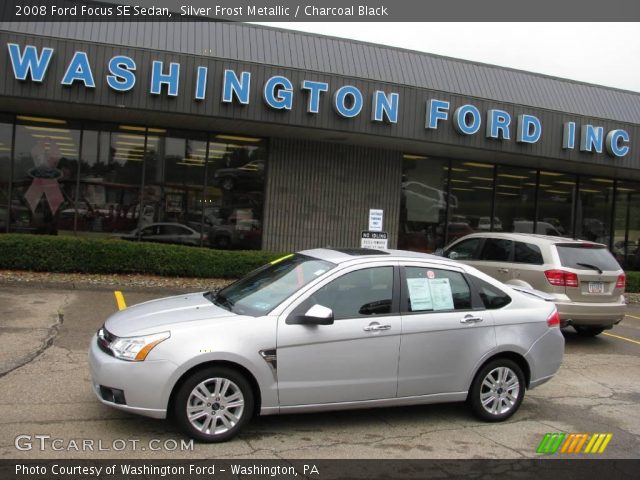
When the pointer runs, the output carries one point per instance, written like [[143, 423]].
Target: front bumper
[[143, 383], [592, 314]]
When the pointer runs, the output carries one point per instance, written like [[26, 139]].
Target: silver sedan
[[328, 329]]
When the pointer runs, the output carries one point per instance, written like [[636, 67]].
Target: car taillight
[[554, 319], [560, 278], [622, 280]]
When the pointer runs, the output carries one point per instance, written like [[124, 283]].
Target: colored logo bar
[[574, 443]]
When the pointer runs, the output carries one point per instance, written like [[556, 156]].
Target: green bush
[[71, 254], [633, 282]]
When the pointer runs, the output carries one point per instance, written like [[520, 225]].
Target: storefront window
[[234, 196], [471, 191], [110, 178], [423, 203], [44, 174], [626, 241], [515, 200], [6, 134], [556, 196]]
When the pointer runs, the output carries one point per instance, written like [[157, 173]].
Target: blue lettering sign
[[529, 129], [614, 138], [436, 110], [29, 63], [591, 137], [278, 93], [340, 101], [315, 88], [232, 86], [79, 69], [498, 121], [569, 136], [461, 123], [201, 83], [159, 78], [122, 78], [385, 106]]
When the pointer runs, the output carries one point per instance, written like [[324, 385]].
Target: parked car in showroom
[[328, 329], [166, 233], [584, 278]]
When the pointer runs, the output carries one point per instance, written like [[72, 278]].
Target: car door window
[[527, 253], [432, 290], [362, 293], [497, 250], [174, 230], [464, 250]]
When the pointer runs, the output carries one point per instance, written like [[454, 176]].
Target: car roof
[[535, 238], [341, 255]]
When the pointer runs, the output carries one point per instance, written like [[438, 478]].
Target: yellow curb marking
[[120, 300], [637, 318], [622, 338]]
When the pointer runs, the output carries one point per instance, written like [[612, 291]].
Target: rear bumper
[[593, 314]]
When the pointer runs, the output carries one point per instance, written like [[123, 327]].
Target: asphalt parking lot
[[46, 401]]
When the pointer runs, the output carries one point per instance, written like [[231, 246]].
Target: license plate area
[[595, 288]]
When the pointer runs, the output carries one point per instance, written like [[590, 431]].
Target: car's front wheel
[[497, 390], [213, 404], [588, 331]]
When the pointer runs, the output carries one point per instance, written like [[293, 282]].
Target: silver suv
[[585, 280]]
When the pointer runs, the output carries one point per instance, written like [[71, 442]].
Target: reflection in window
[[6, 133], [627, 225], [472, 187], [44, 174], [515, 200], [423, 203], [555, 204], [593, 212]]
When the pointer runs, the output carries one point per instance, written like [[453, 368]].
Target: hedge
[[72, 254], [633, 282]]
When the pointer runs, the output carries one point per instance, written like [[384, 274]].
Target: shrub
[[633, 282], [73, 254]]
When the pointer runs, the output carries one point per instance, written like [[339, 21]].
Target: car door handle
[[471, 319], [376, 327], [503, 270]]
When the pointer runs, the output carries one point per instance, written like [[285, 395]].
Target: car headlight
[[136, 349]]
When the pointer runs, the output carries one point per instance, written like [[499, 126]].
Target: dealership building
[[255, 137]]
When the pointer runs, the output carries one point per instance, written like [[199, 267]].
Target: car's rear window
[[584, 257]]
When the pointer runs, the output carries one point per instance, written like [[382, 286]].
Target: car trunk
[[596, 269]]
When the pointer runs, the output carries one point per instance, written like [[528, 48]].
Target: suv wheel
[[497, 390], [588, 331], [213, 404]]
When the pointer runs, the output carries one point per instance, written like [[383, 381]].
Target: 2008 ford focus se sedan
[[328, 329]]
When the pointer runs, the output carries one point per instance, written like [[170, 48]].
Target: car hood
[[159, 315]]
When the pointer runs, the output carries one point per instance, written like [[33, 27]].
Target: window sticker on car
[[430, 274], [441, 295], [419, 294]]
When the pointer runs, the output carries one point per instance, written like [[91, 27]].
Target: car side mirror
[[439, 252], [316, 315], [452, 255]]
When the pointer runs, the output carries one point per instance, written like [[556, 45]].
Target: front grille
[[104, 340]]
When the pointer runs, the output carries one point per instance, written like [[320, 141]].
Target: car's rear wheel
[[213, 404], [497, 390], [584, 331]]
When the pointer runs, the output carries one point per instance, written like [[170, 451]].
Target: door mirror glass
[[316, 315]]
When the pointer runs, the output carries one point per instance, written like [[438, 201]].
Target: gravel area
[[86, 281]]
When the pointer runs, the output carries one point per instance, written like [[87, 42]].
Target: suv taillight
[[554, 319], [560, 278], [622, 280]]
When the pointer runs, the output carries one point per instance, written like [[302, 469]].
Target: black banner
[[538, 469]]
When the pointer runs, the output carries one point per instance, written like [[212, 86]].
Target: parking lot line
[[120, 300], [622, 338], [632, 316]]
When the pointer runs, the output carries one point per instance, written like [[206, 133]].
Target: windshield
[[265, 288]]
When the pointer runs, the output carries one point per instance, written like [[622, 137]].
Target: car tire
[[213, 404], [585, 331], [497, 390]]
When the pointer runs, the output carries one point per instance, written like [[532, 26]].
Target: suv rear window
[[580, 257]]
